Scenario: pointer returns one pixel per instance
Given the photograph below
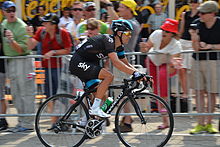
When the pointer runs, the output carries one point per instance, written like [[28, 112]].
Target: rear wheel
[[145, 134], [53, 132]]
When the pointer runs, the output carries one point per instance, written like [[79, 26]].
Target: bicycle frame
[[126, 91]]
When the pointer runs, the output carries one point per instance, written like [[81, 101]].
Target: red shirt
[[49, 44]]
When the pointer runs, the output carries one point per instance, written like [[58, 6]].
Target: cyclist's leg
[[106, 78]]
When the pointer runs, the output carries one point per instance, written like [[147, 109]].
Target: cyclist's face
[[126, 37]]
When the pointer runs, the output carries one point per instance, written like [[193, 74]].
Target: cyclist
[[85, 61]]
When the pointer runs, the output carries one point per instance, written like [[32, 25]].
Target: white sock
[[96, 103]]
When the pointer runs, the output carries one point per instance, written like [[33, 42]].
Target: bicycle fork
[[137, 110]]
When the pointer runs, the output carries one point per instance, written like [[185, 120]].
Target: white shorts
[[187, 57], [205, 75]]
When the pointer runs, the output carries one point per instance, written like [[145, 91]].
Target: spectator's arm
[[31, 42], [182, 25], [149, 29], [111, 12], [205, 46], [16, 41], [145, 46], [195, 39], [16, 46], [149, 24]]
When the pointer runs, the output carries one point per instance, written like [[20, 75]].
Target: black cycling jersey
[[85, 61], [97, 47]]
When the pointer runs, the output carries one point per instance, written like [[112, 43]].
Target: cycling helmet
[[121, 25], [51, 17]]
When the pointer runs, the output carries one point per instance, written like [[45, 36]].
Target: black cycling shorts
[[83, 69]]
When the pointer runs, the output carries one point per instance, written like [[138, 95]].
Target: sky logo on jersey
[[84, 66]]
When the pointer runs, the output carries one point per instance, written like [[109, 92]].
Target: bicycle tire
[[67, 136], [144, 134]]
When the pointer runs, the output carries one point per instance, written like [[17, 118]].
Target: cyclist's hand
[[138, 76]]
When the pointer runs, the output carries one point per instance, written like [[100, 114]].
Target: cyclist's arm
[[125, 61], [120, 64]]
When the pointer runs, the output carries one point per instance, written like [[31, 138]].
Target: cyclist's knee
[[106, 75], [110, 77]]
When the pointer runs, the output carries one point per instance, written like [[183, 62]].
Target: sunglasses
[[89, 10], [127, 33], [77, 9], [203, 13], [10, 10], [166, 31], [91, 28]]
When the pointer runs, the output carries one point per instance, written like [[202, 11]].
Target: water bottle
[[107, 104]]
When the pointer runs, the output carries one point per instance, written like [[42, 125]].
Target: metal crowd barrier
[[71, 84]]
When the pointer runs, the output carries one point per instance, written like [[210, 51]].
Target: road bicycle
[[64, 112]]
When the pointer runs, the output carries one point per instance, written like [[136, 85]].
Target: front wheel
[[51, 130], [155, 111]]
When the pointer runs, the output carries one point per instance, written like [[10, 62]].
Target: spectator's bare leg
[[51, 110], [163, 112], [127, 119], [183, 81], [3, 107], [211, 107], [200, 105]]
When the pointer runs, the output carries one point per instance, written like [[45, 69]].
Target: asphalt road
[[111, 140]]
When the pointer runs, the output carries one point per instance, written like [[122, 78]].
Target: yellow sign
[[29, 7]]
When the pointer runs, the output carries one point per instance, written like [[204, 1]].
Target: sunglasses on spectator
[[127, 33], [89, 10], [166, 31], [77, 9], [203, 13], [10, 10], [91, 28]]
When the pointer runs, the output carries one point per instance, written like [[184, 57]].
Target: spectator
[[126, 11], [156, 20], [65, 19], [92, 27], [163, 41], [89, 12], [3, 122], [151, 2], [187, 18], [20, 70], [104, 15], [77, 13], [50, 47], [206, 37], [36, 21]]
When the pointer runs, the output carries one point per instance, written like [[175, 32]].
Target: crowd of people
[[78, 30]]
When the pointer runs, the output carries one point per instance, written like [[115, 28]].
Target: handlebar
[[132, 84]]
